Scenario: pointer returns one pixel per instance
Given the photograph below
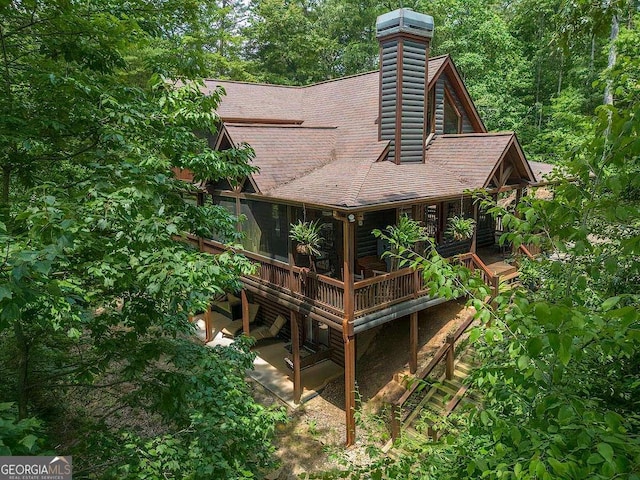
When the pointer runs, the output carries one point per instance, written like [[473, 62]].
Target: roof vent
[[404, 20]]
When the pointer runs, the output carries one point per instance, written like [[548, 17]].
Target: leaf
[[554, 342], [534, 346], [516, 436], [613, 420], [558, 467], [594, 459], [523, 362], [5, 292], [609, 303], [606, 451], [565, 414], [29, 441], [564, 353]]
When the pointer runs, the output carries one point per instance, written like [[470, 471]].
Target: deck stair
[[442, 397], [436, 391]]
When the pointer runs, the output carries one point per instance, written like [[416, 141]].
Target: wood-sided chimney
[[404, 37]]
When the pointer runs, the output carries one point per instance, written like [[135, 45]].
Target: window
[[228, 204], [452, 118], [265, 229]]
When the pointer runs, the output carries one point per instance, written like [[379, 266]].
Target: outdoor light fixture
[[351, 217]]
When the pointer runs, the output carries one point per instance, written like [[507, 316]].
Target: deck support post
[[474, 239], [245, 312], [417, 213], [290, 249], [413, 343], [518, 198], [208, 327], [295, 350], [442, 222], [350, 388], [347, 331], [451, 340]]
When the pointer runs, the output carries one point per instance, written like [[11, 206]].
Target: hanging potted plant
[[308, 239], [460, 228], [402, 239]]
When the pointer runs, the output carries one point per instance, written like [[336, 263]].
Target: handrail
[[380, 278], [446, 350], [491, 279], [526, 251]]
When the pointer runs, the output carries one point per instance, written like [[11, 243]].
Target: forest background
[[96, 354]]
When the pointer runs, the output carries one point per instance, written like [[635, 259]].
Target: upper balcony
[[323, 296]]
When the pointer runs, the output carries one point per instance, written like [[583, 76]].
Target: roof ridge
[[362, 177], [346, 77], [478, 134], [275, 125], [262, 84], [330, 80]]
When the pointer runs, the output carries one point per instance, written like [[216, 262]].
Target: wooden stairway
[[507, 274], [443, 396]]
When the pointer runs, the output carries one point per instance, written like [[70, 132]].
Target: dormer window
[[452, 117]]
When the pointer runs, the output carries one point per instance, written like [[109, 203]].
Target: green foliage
[[489, 57], [560, 378], [402, 239], [404, 235], [285, 46], [442, 278], [213, 430], [18, 436], [96, 278]]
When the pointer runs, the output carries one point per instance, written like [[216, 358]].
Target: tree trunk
[[23, 370], [4, 194], [560, 73], [615, 29], [6, 181]]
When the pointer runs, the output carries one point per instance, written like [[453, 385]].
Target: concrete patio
[[269, 367]]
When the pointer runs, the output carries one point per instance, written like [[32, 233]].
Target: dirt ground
[[316, 428]]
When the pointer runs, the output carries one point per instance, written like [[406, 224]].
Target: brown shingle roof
[[332, 156], [470, 157], [541, 169], [284, 153]]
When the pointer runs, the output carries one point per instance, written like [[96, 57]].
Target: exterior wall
[[440, 86], [268, 312], [366, 243], [403, 69], [486, 230]]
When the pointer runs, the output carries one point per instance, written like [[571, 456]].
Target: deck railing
[[327, 294], [475, 264], [444, 354], [383, 291]]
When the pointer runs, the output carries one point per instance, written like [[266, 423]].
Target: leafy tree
[[95, 284], [489, 57], [285, 46], [560, 360]]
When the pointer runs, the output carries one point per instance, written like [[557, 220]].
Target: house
[[355, 153]]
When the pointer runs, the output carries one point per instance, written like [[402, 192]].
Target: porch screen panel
[[265, 229], [228, 204]]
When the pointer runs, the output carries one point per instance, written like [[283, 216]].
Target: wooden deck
[[324, 296]]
